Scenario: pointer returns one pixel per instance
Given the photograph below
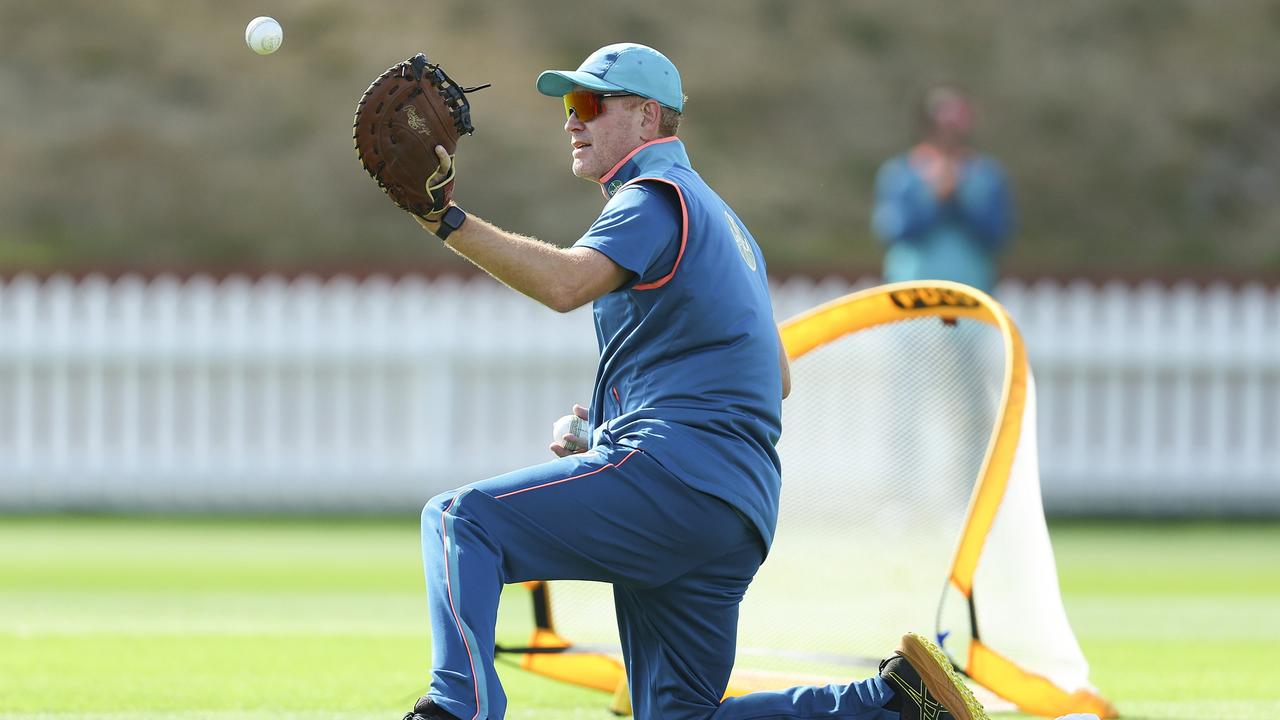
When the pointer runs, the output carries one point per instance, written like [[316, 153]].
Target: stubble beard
[[581, 169]]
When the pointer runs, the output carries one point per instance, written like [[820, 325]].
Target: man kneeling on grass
[[674, 497]]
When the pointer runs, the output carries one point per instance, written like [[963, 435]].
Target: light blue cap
[[622, 67]]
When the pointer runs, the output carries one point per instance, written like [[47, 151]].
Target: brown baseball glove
[[407, 111]]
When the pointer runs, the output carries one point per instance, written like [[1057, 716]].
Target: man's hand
[[943, 174], [560, 446], [442, 175]]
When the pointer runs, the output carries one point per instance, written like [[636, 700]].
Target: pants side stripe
[[565, 480], [451, 585]]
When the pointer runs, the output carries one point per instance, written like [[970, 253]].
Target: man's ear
[[651, 117]]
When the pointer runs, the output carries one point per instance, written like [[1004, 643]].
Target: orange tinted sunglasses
[[586, 104]]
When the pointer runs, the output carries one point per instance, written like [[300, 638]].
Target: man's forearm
[[527, 265], [560, 278]]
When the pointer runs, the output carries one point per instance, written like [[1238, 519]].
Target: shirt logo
[[613, 187], [740, 239]]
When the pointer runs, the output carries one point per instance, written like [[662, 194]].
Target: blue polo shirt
[[689, 349]]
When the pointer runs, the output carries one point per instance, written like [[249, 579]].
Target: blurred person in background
[[943, 209]]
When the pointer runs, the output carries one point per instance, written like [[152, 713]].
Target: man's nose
[[572, 123]]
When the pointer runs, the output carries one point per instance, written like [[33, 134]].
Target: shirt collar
[[650, 158]]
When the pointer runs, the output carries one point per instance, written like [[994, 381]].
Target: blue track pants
[[679, 560]]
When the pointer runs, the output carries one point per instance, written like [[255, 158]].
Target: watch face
[[453, 217]]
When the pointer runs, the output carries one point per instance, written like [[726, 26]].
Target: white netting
[[883, 439], [1016, 582]]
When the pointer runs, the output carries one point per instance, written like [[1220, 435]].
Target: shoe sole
[[940, 678]]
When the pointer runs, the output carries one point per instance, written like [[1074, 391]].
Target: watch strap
[[450, 221]]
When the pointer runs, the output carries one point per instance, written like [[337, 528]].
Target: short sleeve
[[639, 229]]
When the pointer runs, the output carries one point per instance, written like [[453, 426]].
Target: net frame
[[553, 655]]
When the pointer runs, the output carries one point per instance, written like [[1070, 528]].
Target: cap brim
[[557, 83]]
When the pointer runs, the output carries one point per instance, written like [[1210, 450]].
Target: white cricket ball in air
[[571, 425], [264, 35]]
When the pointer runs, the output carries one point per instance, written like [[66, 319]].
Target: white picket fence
[[302, 394]]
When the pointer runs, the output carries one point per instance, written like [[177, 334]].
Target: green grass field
[[270, 618]]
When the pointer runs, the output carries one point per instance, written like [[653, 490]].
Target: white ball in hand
[[571, 425], [264, 35]]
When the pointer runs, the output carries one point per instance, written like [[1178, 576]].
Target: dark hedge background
[[1143, 135]]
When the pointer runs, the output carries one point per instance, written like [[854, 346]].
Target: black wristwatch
[[450, 221]]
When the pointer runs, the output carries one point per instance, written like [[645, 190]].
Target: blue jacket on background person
[[943, 211]]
